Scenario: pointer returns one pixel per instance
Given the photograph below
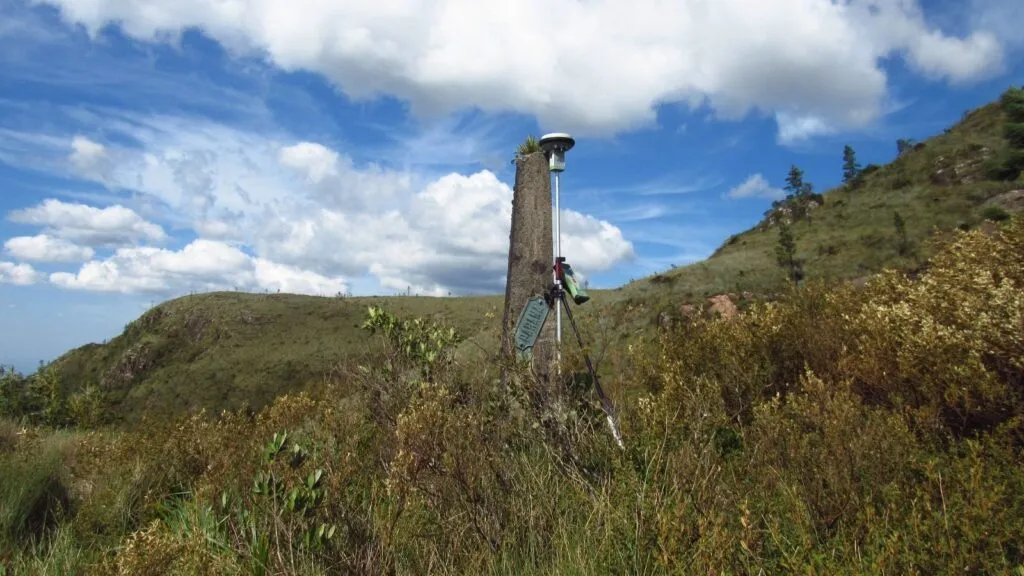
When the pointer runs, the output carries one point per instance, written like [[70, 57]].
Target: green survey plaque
[[531, 321]]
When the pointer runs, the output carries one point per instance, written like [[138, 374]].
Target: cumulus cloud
[[43, 248], [756, 186], [316, 161], [451, 235], [18, 274], [592, 242], [338, 183], [591, 67], [201, 265], [88, 225], [310, 207]]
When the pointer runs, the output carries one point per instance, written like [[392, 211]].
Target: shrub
[[1005, 166], [995, 214], [868, 170], [33, 491], [86, 408]]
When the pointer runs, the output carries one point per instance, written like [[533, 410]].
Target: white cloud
[[591, 243], [43, 248], [756, 186], [85, 153], [310, 207], [937, 57], [794, 129], [1001, 17], [315, 160], [17, 274], [201, 265], [89, 225], [589, 66]]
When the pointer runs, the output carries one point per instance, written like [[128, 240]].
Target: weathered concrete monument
[[530, 268], [538, 277]]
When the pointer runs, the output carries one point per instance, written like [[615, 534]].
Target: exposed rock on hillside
[[723, 305], [961, 167], [1012, 201]]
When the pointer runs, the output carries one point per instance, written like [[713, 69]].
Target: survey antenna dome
[[559, 141], [555, 145]]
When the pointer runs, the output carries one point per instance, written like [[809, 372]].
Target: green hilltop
[[936, 186]]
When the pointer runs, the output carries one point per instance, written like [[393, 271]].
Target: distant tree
[[45, 387], [800, 193], [86, 408], [851, 169], [902, 243], [12, 386], [795, 184], [785, 254], [1012, 103], [1010, 163]]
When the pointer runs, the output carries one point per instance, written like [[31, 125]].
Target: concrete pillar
[[530, 258]]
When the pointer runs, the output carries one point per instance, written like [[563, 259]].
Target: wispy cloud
[[669, 184], [684, 237], [454, 141], [638, 213]]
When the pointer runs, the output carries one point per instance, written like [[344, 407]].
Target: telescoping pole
[[555, 145], [558, 280]]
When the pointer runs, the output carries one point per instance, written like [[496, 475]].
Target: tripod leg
[[606, 403]]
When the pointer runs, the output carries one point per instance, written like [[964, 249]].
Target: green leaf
[[313, 480]]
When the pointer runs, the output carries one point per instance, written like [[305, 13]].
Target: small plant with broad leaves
[[426, 344], [282, 508]]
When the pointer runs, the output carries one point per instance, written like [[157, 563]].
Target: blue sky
[[151, 149]]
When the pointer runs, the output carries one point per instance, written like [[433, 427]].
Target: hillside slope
[[221, 350], [224, 349], [939, 184]]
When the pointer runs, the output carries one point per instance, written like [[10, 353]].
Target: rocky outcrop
[[961, 167], [1012, 201], [723, 306], [784, 214]]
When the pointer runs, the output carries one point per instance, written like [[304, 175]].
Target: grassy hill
[[938, 185], [223, 350], [874, 427]]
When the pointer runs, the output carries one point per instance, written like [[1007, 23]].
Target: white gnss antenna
[[555, 145]]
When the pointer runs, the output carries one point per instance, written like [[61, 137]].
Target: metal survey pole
[[558, 281], [555, 145]]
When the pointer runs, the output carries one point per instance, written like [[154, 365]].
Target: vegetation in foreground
[[838, 430]]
